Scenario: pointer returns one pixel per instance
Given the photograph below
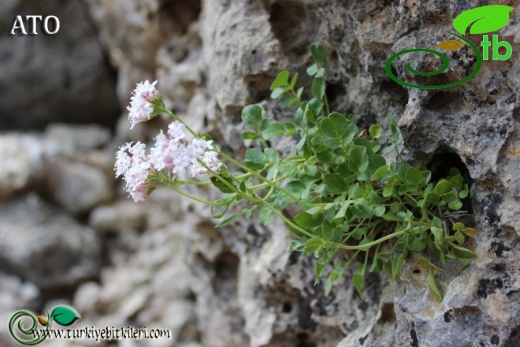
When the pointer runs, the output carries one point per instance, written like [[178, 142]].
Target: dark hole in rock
[[397, 92], [514, 337], [286, 307], [443, 100], [226, 271], [288, 21], [440, 166], [303, 340], [334, 92]]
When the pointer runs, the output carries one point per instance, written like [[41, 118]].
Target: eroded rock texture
[[164, 265]]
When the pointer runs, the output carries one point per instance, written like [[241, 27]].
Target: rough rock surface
[[45, 246], [61, 77], [166, 266]]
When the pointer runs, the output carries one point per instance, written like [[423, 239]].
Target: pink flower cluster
[[141, 107], [171, 152]]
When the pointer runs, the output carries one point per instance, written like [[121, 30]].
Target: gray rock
[[122, 215], [78, 187], [22, 163], [62, 77], [77, 138], [44, 246]]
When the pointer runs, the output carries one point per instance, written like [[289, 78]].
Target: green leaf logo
[[483, 19], [64, 315]]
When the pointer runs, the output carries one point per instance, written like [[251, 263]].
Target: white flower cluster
[[141, 107], [172, 152]]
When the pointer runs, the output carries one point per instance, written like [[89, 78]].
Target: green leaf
[[314, 244], [458, 226], [379, 210], [290, 129], [484, 19], [328, 285], [266, 215], [319, 53], [307, 220], [318, 88], [274, 129], [425, 263], [375, 162], [394, 130], [397, 262], [297, 244], [459, 237], [319, 267], [313, 109], [381, 172], [275, 94], [335, 183], [455, 205], [252, 115], [388, 191], [64, 315], [470, 232], [312, 70], [296, 187], [281, 81], [464, 192], [229, 220], [375, 131], [255, 159], [337, 130], [271, 155], [442, 187], [463, 253], [414, 177], [362, 210], [438, 234], [249, 135], [359, 158], [220, 185], [450, 197], [293, 81], [418, 243], [358, 278], [432, 286]]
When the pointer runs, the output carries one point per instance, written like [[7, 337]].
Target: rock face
[[61, 77], [164, 263], [46, 247]]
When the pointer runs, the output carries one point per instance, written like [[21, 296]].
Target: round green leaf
[[375, 131]]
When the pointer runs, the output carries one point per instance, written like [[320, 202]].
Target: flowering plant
[[353, 204]]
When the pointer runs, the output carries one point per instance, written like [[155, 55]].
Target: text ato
[[50, 25]]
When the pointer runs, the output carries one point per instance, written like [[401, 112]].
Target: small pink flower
[[176, 131], [141, 107], [210, 160], [133, 164]]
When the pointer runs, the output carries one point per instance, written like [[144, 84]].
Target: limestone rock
[[78, 187], [44, 246], [62, 77], [121, 216], [22, 163]]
